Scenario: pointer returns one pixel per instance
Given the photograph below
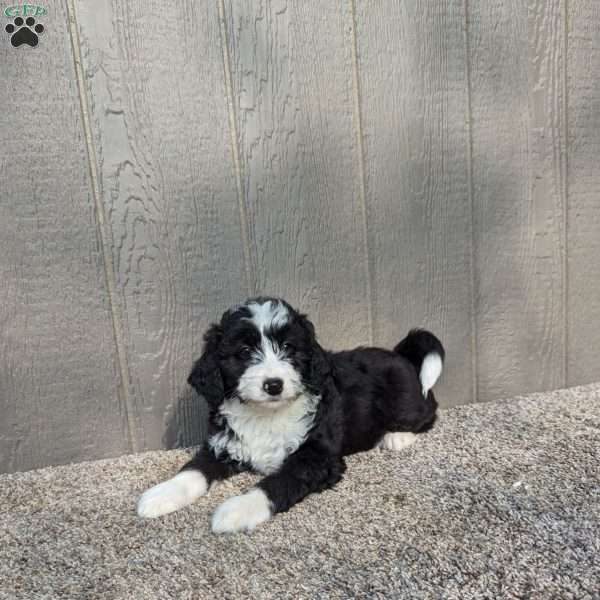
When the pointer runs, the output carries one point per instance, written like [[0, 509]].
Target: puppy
[[282, 406]]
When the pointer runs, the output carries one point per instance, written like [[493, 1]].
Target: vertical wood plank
[[158, 107], [516, 65], [59, 379], [291, 65], [583, 192], [413, 92]]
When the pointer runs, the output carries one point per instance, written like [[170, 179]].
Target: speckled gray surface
[[500, 500]]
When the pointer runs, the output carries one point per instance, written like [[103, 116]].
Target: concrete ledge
[[500, 500]]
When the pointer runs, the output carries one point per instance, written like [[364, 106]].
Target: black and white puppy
[[282, 406]]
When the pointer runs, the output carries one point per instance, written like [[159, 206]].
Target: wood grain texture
[[58, 373], [517, 138], [413, 91], [382, 165], [154, 77], [291, 67], [584, 192]]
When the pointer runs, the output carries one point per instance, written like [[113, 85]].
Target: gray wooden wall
[[381, 164]]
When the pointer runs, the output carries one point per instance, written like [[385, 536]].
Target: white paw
[[242, 513], [397, 440], [172, 494]]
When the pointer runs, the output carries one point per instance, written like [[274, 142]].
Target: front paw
[[242, 513], [172, 495]]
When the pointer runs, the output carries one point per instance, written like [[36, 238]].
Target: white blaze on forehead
[[268, 360], [268, 314]]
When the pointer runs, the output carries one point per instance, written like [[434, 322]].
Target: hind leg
[[406, 419], [397, 440]]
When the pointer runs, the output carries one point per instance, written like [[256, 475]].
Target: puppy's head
[[262, 352]]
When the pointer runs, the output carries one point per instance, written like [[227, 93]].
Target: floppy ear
[[319, 367], [206, 375], [319, 363]]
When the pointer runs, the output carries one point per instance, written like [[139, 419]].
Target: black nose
[[273, 386]]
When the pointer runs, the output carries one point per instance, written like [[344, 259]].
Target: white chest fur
[[263, 437]]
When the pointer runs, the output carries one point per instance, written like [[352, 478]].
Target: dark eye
[[287, 347], [244, 352]]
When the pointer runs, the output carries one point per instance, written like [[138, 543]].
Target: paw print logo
[[24, 32]]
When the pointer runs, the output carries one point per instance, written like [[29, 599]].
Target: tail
[[427, 355]]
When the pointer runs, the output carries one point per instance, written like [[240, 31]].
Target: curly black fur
[[363, 394]]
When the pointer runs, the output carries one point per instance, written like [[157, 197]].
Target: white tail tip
[[431, 369]]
